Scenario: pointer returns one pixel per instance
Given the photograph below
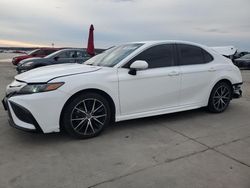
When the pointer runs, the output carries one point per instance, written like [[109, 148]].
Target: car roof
[[164, 41], [72, 49], [48, 48], [155, 42]]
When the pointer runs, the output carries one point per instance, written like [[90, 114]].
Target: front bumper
[[20, 117], [39, 112], [21, 69], [14, 61]]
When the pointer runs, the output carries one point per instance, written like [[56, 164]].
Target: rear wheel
[[86, 115], [220, 97]]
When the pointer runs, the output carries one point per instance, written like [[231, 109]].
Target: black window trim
[[175, 56]]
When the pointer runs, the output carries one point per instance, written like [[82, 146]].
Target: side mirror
[[137, 65], [56, 58]]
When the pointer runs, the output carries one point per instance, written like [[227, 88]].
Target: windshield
[[113, 56], [246, 56], [54, 54], [33, 52]]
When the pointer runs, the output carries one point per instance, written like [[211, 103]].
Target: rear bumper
[[20, 117], [237, 92]]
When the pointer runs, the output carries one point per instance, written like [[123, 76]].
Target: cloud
[[19, 44], [66, 23], [123, 0]]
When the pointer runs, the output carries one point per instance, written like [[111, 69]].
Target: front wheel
[[86, 115], [220, 97]]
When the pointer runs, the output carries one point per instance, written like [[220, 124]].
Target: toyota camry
[[132, 80]]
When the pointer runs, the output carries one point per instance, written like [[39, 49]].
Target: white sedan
[[133, 80]]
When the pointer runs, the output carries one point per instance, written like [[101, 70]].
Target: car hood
[[22, 56], [36, 59], [46, 73], [242, 59]]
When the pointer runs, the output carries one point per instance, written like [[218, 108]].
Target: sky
[[66, 22]]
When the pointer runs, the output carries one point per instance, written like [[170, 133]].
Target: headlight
[[27, 64], [37, 88]]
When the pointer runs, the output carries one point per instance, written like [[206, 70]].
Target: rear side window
[[157, 56], [192, 55], [207, 57]]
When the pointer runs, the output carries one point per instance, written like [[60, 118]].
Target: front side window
[[192, 55], [157, 56], [81, 54], [63, 55], [71, 54], [113, 56]]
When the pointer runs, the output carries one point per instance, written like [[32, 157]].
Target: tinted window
[[63, 55], [191, 55], [72, 54], [207, 57], [157, 56]]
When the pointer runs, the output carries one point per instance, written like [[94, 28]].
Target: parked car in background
[[240, 54], [58, 57], [227, 51], [42, 52], [133, 80], [243, 62]]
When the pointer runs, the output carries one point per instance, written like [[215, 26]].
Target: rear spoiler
[[225, 50]]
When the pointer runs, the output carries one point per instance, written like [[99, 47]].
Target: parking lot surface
[[188, 149]]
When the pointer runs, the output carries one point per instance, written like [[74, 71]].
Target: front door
[[156, 88], [67, 57]]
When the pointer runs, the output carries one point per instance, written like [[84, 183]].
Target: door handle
[[173, 73], [212, 69]]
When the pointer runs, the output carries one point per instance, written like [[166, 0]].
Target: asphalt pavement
[[192, 149]]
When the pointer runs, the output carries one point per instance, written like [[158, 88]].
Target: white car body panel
[[47, 73], [142, 90], [151, 92]]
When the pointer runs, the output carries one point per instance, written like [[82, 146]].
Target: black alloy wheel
[[220, 97], [86, 115]]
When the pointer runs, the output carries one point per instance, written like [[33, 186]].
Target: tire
[[86, 115], [220, 97]]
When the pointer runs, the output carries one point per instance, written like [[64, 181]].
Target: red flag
[[91, 48]]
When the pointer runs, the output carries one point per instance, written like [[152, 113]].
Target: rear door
[[197, 72]]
